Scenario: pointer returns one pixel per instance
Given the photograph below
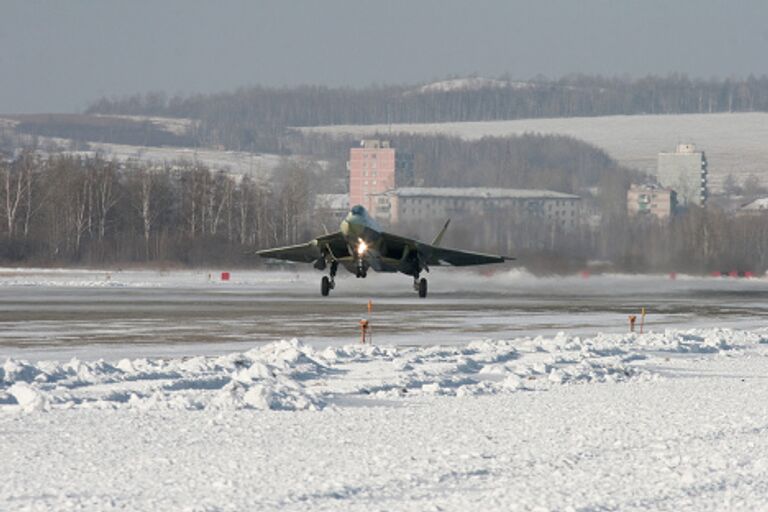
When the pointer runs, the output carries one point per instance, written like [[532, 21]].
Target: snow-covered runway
[[485, 408], [64, 313]]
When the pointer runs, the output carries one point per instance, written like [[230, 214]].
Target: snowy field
[[734, 143], [235, 162], [175, 391], [239, 163]]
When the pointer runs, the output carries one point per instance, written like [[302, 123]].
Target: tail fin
[[439, 237]]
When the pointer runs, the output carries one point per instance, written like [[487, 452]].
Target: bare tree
[[141, 183], [105, 197], [13, 190]]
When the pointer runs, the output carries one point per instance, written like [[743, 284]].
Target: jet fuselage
[[363, 236]]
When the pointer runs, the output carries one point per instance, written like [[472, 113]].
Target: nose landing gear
[[361, 271]]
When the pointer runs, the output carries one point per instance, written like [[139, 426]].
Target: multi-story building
[[376, 167], [408, 204], [649, 200], [685, 172]]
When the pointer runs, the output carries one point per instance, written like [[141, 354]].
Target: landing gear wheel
[[422, 288], [325, 286]]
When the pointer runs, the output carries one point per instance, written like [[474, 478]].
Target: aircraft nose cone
[[353, 225]]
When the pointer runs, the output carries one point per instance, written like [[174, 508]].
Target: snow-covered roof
[[479, 193], [472, 84], [757, 204], [332, 201]]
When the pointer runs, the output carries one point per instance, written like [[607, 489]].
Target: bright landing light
[[362, 247]]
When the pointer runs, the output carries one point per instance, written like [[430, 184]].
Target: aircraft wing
[[437, 256], [310, 251]]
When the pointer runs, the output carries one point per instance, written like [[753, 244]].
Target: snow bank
[[288, 375], [154, 279], [28, 398], [265, 378]]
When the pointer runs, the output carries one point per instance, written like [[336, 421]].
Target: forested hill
[[256, 117]]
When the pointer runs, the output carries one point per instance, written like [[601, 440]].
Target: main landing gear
[[420, 285], [327, 284]]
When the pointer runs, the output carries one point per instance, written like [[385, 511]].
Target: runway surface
[[56, 313], [458, 403]]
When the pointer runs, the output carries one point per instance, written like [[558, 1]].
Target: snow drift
[[288, 375]]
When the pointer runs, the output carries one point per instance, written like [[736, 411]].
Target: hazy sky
[[59, 55]]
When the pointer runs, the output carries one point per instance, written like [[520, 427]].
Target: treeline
[[256, 118], [87, 210], [71, 209], [697, 241]]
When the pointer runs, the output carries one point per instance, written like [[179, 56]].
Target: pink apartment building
[[376, 167]]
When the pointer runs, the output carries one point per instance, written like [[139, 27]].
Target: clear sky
[[58, 56]]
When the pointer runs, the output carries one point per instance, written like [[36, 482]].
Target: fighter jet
[[361, 245]]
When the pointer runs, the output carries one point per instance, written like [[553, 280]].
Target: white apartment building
[[402, 205]]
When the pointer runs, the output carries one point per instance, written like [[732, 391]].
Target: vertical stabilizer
[[439, 237]]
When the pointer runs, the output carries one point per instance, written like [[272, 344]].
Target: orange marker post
[[370, 327], [642, 320]]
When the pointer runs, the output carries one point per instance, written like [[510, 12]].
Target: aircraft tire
[[325, 286], [422, 288]]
